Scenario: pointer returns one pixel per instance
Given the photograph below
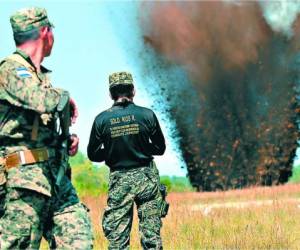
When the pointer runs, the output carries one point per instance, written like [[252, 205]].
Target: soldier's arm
[[27, 93], [158, 145], [95, 151]]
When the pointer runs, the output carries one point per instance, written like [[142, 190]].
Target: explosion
[[237, 112]]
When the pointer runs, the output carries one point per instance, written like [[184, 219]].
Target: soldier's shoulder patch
[[23, 72]]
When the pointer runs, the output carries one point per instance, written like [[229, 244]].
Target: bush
[[88, 179], [176, 184], [295, 178], [91, 180]]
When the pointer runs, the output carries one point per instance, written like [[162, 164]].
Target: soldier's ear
[[43, 31]]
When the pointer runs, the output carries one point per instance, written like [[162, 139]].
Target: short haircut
[[121, 90], [30, 35]]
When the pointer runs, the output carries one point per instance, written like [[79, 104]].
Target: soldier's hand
[[74, 142], [74, 111]]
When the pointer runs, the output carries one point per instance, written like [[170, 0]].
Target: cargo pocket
[[16, 240], [72, 228], [15, 229], [161, 191]]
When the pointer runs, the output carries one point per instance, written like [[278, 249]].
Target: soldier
[[126, 137], [40, 199]]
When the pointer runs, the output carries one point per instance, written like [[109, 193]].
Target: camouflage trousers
[[2, 200], [28, 217], [140, 186]]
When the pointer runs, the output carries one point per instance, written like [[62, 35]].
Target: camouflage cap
[[117, 78], [27, 19]]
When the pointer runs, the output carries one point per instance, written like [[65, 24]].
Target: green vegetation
[[295, 178], [92, 180], [176, 184], [88, 179]]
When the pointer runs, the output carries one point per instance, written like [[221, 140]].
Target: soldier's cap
[[117, 78], [29, 18]]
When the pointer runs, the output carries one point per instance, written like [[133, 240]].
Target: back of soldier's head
[[121, 85]]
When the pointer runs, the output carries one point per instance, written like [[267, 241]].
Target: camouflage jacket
[[26, 95]]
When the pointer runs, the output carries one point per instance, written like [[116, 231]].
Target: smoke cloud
[[281, 15], [237, 110]]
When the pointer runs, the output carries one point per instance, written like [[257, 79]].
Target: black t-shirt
[[126, 136]]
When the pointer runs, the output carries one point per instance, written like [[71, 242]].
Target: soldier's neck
[[34, 52], [124, 99]]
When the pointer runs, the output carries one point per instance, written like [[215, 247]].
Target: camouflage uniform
[[127, 136], [139, 185], [35, 205], [2, 188]]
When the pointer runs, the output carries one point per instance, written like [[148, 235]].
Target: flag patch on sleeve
[[23, 72]]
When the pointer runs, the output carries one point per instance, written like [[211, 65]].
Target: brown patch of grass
[[275, 226]]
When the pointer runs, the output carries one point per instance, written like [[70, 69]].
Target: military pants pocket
[[164, 205], [164, 208], [16, 223], [15, 240], [160, 192], [71, 229]]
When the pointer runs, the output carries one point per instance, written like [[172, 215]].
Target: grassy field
[[255, 218]]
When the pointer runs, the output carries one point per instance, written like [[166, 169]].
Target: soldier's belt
[[27, 157]]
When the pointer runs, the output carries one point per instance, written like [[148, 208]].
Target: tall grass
[[274, 226]]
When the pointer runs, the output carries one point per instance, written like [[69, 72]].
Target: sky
[[92, 40]]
